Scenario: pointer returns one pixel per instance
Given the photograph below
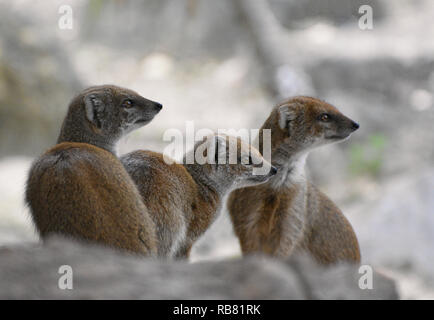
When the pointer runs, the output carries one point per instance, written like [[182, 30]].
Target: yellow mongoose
[[79, 188], [185, 199], [288, 213]]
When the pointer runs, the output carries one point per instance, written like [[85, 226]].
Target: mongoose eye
[[324, 117], [127, 103]]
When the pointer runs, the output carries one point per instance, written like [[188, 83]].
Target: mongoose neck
[[287, 155], [205, 180], [76, 128], [290, 170], [207, 205]]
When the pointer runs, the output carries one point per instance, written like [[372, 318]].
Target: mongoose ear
[[93, 106], [286, 113]]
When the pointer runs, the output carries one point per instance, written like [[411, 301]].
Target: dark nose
[[355, 125], [273, 170], [158, 106]]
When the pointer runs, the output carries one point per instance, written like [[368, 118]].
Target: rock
[[31, 272], [341, 281]]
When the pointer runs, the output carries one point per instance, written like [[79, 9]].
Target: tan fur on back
[[83, 191]]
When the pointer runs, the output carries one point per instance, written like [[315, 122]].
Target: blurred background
[[224, 64]]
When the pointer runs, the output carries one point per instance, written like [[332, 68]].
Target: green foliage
[[367, 157]]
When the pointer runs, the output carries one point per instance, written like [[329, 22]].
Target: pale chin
[[346, 138], [140, 123], [136, 125], [337, 139]]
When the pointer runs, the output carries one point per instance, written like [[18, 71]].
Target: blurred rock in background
[[224, 64], [36, 80]]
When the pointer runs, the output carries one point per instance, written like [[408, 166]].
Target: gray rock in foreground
[[31, 272]]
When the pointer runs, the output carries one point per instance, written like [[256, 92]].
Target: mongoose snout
[[140, 111], [339, 127], [149, 109], [250, 168], [158, 106]]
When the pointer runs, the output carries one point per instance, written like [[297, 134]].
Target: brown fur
[[183, 199], [79, 188], [328, 236], [175, 201], [288, 214]]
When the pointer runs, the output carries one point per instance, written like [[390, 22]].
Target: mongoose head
[[103, 114], [231, 162], [116, 111], [303, 123]]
